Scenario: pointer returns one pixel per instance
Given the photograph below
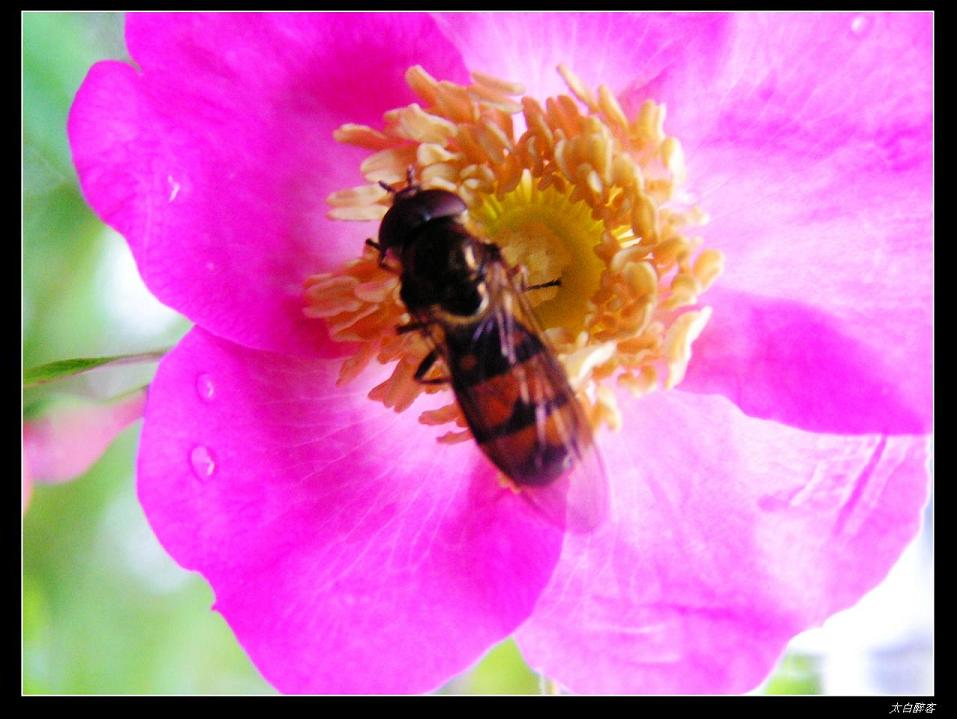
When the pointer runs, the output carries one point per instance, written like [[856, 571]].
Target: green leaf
[[67, 368], [795, 674]]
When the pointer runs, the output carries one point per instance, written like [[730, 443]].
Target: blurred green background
[[104, 609]]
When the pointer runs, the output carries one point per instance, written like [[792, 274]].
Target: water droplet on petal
[[860, 24], [203, 462], [173, 188], [205, 387]]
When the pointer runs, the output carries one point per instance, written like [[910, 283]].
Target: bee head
[[413, 207]]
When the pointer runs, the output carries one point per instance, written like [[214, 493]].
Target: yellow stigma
[[552, 237], [584, 194]]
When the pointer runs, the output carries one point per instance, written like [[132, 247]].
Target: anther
[[585, 196]]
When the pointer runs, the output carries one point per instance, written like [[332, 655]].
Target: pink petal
[[347, 549], [794, 363], [811, 150], [806, 83], [615, 49], [732, 536], [808, 141], [215, 159], [66, 441]]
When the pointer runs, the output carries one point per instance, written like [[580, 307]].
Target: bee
[[469, 304]]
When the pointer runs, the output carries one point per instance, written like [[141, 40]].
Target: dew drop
[[173, 188], [860, 24], [205, 387], [203, 462]]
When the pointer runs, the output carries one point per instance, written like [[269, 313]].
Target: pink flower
[[69, 438], [347, 549]]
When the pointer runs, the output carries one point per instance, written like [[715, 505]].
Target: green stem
[[67, 368]]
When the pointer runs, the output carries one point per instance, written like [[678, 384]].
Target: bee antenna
[[387, 187], [410, 175]]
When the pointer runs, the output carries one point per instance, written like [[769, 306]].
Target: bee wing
[[577, 498]]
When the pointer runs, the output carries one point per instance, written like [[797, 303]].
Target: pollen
[[572, 189]]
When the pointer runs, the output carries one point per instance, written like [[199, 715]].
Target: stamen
[[586, 201]]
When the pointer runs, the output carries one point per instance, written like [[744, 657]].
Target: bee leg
[[411, 327], [425, 366], [551, 283], [376, 246], [523, 279], [409, 180]]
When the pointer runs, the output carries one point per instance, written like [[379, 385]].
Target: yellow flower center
[[552, 237], [583, 195]]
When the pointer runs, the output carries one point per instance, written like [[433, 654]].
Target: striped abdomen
[[516, 399]]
